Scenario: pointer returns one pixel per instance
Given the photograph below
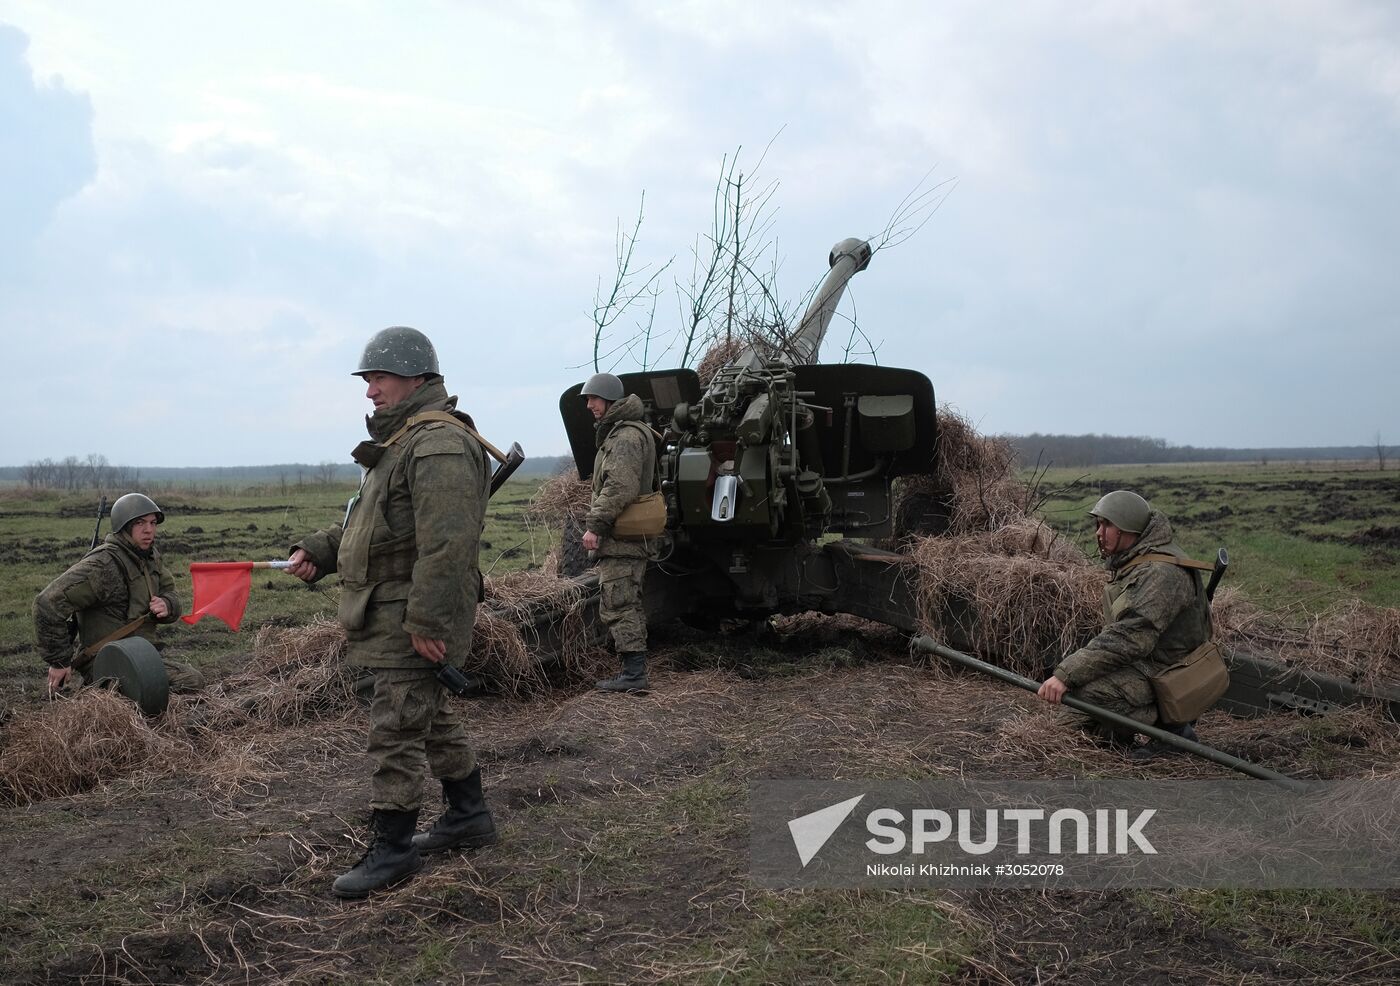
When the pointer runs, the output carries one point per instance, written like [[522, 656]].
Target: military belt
[[447, 418], [1170, 559], [117, 634]]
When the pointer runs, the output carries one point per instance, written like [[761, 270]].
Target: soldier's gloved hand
[[590, 540], [302, 566], [160, 609], [433, 650], [57, 678]]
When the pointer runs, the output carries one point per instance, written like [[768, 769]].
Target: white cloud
[[1202, 181]]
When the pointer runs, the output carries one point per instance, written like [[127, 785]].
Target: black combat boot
[[390, 859], [633, 677], [467, 822], [1157, 748]]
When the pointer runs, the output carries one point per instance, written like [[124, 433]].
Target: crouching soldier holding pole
[[407, 558], [1157, 629], [624, 472], [121, 588]]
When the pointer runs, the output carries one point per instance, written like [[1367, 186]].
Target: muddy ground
[[624, 855]]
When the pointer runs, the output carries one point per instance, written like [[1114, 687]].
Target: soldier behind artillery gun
[[624, 470], [120, 588], [1155, 612]]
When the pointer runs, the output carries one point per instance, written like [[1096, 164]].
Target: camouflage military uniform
[[109, 588], [1154, 613], [407, 558], [623, 470]]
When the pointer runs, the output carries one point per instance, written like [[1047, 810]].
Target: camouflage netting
[[1001, 581]]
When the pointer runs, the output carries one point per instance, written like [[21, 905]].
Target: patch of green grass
[[41, 536], [433, 960], [1295, 533], [1262, 917], [113, 900], [829, 936]]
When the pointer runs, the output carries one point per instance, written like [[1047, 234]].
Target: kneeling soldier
[[119, 589], [1155, 612]]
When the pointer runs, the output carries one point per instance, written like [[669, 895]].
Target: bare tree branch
[[913, 212]]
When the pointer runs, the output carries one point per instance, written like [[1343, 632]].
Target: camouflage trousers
[[620, 602], [411, 725], [1126, 691]]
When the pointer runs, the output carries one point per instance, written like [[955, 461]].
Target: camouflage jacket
[[623, 470], [407, 550], [112, 585], [1154, 612]]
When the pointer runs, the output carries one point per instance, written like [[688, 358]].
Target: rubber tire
[[923, 515], [573, 556]]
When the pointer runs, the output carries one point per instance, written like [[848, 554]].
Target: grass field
[[40, 536], [1298, 535], [624, 856]]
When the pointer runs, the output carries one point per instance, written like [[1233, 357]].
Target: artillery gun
[[775, 454]]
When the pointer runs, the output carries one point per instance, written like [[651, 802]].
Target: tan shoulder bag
[[644, 517]]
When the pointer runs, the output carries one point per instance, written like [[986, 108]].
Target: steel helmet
[[603, 385], [1123, 509], [134, 505], [399, 350]]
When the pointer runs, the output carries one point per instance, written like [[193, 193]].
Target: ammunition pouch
[[392, 561], [1192, 685], [644, 517], [353, 603]]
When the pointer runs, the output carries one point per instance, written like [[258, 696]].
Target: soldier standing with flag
[[407, 557]]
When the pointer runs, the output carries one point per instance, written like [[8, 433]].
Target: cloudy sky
[[1173, 219]]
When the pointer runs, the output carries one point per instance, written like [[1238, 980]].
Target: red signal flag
[[220, 589]]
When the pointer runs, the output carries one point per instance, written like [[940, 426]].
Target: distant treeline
[[94, 472], [1107, 450]]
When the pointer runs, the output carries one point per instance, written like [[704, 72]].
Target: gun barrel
[[847, 259]]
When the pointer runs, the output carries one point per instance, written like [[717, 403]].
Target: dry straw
[[1000, 581], [720, 354], [79, 742], [1020, 594], [559, 498]]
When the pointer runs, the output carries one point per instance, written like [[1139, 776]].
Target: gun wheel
[[923, 513], [573, 556]]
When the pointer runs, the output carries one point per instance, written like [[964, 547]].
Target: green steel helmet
[[603, 385], [134, 505], [399, 350], [1123, 509]]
